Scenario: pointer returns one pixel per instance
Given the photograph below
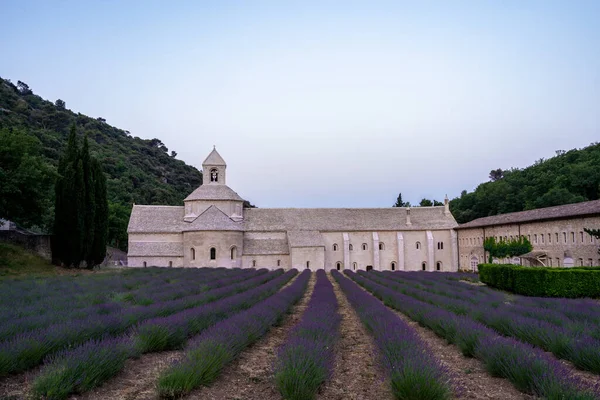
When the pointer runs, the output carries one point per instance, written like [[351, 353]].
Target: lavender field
[[261, 334]]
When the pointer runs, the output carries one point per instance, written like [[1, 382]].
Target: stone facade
[[556, 234], [213, 229]]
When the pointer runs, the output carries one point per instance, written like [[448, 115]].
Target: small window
[[335, 247], [535, 239], [542, 237], [381, 246], [253, 263], [307, 264], [581, 262], [213, 253], [350, 247], [556, 237], [170, 264], [279, 263], [354, 266], [529, 238], [549, 238], [590, 262], [145, 265], [338, 266], [557, 262], [393, 265], [418, 245], [438, 266], [424, 266], [440, 245], [573, 237], [550, 262], [193, 253], [233, 252], [581, 233], [364, 246]]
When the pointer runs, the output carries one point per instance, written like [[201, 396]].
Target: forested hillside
[[568, 177], [137, 170]]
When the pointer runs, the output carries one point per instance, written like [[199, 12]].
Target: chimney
[[446, 206], [408, 216]]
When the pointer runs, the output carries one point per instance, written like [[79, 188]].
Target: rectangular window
[[535, 239], [542, 237], [581, 237], [549, 238], [556, 237], [565, 237], [573, 237]]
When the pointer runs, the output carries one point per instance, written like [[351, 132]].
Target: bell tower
[[213, 169]]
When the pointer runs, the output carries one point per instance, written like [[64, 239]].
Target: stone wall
[[38, 244]]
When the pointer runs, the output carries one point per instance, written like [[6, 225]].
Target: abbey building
[[213, 229]]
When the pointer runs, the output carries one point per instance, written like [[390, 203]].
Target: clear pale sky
[[325, 103]]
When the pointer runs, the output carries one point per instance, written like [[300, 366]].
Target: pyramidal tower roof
[[214, 158]]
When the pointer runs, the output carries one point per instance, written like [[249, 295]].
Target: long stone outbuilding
[[213, 229]]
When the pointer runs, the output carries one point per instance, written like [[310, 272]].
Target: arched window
[[279, 263], [213, 253], [438, 266], [338, 266], [364, 246], [145, 265], [350, 247], [253, 263], [381, 246], [335, 247], [193, 253], [170, 264], [418, 245], [307, 264], [474, 262], [354, 266], [369, 268], [424, 266], [214, 175], [440, 245], [233, 254], [581, 262], [393, 265]]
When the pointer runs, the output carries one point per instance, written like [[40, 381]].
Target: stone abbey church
[[213, 229]]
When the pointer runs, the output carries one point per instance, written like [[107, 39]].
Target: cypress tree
[[89, 204], [98, 250], [81, 207]]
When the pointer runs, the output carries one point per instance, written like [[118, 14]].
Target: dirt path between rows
[[356, 375], [250, 376], [469, 375]]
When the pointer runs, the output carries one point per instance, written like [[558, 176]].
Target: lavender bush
[[413, 370], [304, 361], [214, 348]]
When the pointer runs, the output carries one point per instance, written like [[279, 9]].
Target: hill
[[569, 177], [138, 170]]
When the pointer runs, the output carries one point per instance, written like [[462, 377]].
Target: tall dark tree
[[81, 208], [100, 235], [60, 104], [496, 174], [400, 203], [90, 200]]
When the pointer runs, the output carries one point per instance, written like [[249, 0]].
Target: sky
[[324, 103]]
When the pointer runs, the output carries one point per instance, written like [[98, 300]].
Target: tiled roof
[[163, 219], [214, 158], [214, 192], [540, 214], [156, 249], [155, 219], [305, 239], [346, 219], [265, 246], [212, 219]]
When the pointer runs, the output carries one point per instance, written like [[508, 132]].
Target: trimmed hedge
[[542, 282]]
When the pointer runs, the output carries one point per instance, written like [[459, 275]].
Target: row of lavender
[[567, 328], [28, 349], [530, 369], [209, 352], [87, 366], [305, 360], [159, 290], [413, 370]]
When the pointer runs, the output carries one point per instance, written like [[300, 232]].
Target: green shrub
[[542, 282]]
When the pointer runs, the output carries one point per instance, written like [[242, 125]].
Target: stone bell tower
[[213, 169]]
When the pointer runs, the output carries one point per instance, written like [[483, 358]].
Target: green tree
[[25, 179], [595, 233], [117, 225], [425, 203], [400, 203], [81, 207]]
